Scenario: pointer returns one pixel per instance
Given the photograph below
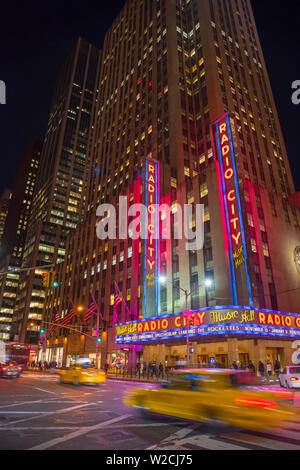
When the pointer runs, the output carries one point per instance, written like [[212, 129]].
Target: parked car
[[290, 377], [10, 370], [234, 397]]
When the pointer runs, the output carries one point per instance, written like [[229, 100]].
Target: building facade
[[60, 196], [185, 83], [4, 204], [15, 233]]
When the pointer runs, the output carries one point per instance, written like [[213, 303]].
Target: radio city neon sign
[[152, 215], [276, 323], [234, 236], [152, 230], [231, 196]]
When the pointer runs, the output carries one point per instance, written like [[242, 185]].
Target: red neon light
[[231, 193], [151, 251], [255, 402]]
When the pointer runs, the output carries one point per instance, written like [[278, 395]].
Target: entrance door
[[222, 359], [244, 360], [275, 354], [203, 360]]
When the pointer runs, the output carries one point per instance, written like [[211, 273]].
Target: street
[[38, 413]]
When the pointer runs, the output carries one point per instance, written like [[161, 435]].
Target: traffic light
[[46, 279], [54, 279], [99, 340]]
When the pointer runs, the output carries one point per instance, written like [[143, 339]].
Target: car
[[290, 377], [10, 370], [82, 373], [236, 398]]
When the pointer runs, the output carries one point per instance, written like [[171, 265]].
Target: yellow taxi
[[232, 397], [82, 373]]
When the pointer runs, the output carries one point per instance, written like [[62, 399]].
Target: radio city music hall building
[[185, 84]]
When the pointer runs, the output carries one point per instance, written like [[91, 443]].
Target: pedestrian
[[234, 366], [251, 367], [277, 368], [161, 371], [269, 368], [138, 370], [261, 369], [52, 367], [106, 367], [144, 369]]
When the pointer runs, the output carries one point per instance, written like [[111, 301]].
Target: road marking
[[80, 432], [259, 441], [46, 391], [63, 428], [46, 400], [207, 441], [25, 413], [177, 435], [65, 410]]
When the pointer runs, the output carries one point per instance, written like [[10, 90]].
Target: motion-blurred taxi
[[232, 397], [82, 373]]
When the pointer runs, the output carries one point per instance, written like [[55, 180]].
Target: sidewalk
[[134, 378]]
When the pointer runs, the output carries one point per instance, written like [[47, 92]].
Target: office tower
[[178, 80], [59, 199], [15, 232], [4, 203]]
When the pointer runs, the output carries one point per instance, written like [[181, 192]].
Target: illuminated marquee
[[233, 224], [222, 320], [151, 265]]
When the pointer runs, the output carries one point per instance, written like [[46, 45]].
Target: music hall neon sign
[[151, 267], [233, 223]]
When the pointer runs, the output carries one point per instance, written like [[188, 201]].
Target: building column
[[233, 351], [132, 357], [259, 353]]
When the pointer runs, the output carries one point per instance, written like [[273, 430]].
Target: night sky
[[36, 37]]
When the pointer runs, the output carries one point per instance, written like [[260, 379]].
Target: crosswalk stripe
[[261, 442], [208, 442], [285, 434]]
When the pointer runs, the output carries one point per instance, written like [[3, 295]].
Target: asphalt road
[[38, 413]]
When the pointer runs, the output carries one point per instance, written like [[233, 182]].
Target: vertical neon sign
[[151, 263], [239, 274]]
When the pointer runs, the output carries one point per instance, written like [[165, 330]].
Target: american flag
[[55, 320], [71, 312], [92, 309], [117, 302]]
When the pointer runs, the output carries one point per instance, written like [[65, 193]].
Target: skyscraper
[[178, 80], [15, 231], [60, 195], [4, 204]]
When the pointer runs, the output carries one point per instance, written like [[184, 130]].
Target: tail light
[[293, 379], [19, 368], [255, 402], [4, 369]]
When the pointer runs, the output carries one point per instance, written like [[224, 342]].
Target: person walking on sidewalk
[[277, 368], [269, 369], [261, 369], [138, 370], [161, 371]]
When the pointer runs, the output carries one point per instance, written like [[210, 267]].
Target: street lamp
[[206, 283]]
